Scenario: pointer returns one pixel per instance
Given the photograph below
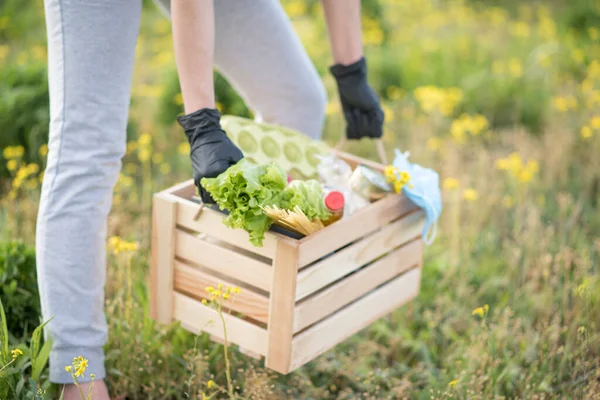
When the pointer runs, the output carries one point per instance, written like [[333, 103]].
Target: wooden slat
[[321, 337], [164, 211], [364, 222], [211, 222], [192, 281], [185, 189], [281, 311], [197, 317], [223, 260], [357, 285], [358, 254]]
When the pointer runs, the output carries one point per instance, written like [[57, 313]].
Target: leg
[[91, 47], [257, 49]]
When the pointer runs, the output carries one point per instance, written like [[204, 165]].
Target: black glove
[[363, 112], [211, 151]]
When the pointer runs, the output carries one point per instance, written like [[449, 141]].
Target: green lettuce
[[242, 190], [308, 195]]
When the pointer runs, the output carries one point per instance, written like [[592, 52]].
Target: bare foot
[[99, 391]]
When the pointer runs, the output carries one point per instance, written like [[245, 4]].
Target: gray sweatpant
[[91, 48]]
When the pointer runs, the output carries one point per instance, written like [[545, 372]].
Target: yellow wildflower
[[178, 99], [209, 289], [204, 301], [11, 165], [225, 296], [453, 383], [479, 311], [520, 29], [93, 376], [581, 329], [595, 122], [184, 148], [43, 150], [16, 353], [68, 368], [515, 68], [210, 383], [143, 155], [451, 183], [145, 139], [470, 194], [586, 132], [236, 290]]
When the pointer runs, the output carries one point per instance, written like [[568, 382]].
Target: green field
[[503, 101]]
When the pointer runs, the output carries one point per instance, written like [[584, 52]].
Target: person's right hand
[[211, 150]]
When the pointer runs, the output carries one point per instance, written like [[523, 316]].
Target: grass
[[519, 233]]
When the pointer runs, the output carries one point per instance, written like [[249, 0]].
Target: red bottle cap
[[334, 201]]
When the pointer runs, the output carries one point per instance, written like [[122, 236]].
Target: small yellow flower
[[204, 301], [470, 194], [451, 183], [16, 353], [145, 139], [184, 148], [220, 286], [581, 329], [93, 376], [11, 165], [209, 289], [178, 99], [68, 368], [225, 296], [481, 311], [586, 132], [43, 150], [210, 383], [453, 383], [144, 155], [236, 290], [595, 122]]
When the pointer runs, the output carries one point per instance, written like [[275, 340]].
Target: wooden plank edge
[[323, 336], [195, 316], [246, 269], [348, 230], [337, 265], [281, 308], [329, 300], [192, 282]]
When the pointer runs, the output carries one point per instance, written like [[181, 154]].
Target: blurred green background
[[502, 98]]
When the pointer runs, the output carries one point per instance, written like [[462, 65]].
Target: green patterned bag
[[264, 143]]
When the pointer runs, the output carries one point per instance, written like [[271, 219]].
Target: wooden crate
[[299, 297]]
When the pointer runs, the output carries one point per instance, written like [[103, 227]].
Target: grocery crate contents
[[322, 244], [259, 195]]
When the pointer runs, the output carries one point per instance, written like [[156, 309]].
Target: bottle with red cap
[[334, 201]]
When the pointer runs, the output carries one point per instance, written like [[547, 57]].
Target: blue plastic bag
[[423, 189]]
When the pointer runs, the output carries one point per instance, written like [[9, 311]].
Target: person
[[91, 49]]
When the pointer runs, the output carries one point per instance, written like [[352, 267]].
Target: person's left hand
[[361, 106]]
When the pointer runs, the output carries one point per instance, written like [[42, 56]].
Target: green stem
[[226, 350], [7, 365]]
